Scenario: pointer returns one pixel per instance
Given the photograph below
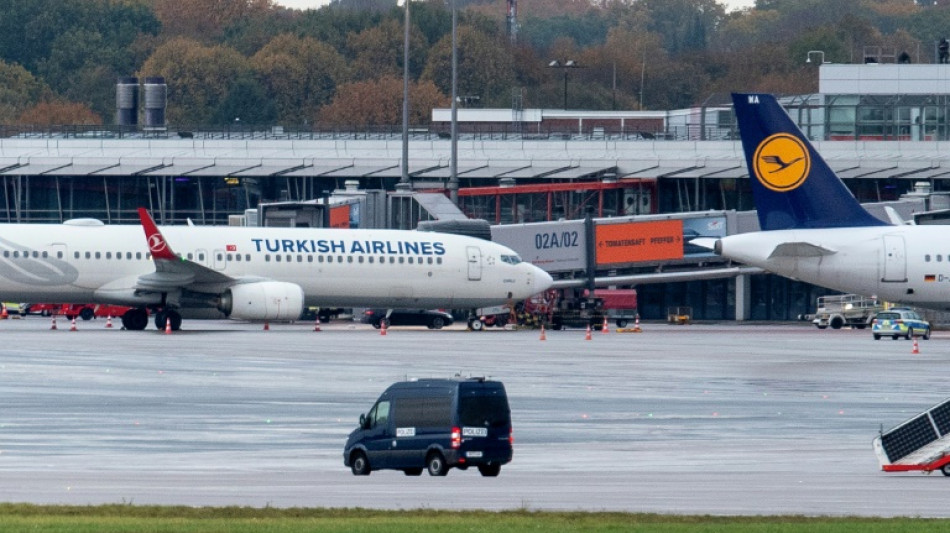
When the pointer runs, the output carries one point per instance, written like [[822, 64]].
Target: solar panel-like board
[[908, 438], [941, 416]]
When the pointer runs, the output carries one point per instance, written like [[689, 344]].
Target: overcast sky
[[304, 4]]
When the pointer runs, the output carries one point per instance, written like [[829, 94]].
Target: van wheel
[[435, 463], [489, 470], [359, 464], [413, 471]]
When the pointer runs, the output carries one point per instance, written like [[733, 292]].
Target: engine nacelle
[[263, 300]]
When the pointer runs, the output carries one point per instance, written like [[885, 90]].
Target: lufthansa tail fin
[[792, 185]]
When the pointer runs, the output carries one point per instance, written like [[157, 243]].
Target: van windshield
[[489, 410]]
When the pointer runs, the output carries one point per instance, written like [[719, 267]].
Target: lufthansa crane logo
[[781, 162], [156, 244]]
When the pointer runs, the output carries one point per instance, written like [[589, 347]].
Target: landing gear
[[135, 319], [163, 316]]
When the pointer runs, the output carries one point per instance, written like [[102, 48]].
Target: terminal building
[[883, 127]]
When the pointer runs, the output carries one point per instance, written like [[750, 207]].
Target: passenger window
[[108, 255], [927, 258], [939, 258], [361, 259]]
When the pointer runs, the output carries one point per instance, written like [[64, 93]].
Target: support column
[[743, 297]]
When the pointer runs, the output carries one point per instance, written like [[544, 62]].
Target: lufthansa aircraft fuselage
[[907, 264]]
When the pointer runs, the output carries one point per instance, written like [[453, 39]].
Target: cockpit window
[[510, 259]]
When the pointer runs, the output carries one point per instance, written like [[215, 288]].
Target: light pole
[[570, 63], [453, 161], [404, 177]]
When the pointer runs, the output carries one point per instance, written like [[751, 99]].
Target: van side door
[[378, 437]]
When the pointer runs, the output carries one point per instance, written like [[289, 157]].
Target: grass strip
[[162, 519]]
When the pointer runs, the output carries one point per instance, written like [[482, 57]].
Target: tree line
[[341, 65]]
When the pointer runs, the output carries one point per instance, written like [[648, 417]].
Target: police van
[[434, 424]]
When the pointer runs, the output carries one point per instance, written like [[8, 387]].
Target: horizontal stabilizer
[[800, 249]]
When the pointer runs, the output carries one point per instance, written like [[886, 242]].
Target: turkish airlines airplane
[[255, 273], [814, 230]]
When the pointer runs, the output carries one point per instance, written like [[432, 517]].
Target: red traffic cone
[[168, 326], [4, 314], [543, 336], [606, 328], [72, 327], [587, 337], [382, 327], [636, 323], [109, 321], [916, 347], [266, 326], [316, 325], [54, 322]]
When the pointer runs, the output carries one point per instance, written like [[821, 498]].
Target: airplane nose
[[542, 279]]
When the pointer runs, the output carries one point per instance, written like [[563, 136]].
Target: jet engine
[[262, 300]]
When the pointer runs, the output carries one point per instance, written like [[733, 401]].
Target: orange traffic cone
[[916, 347], [109, 321], [73, 326], [382, 327], [168, 326], [543, 336], [4, 314], [266, 326], [316, 325], [587, 337], [606, 328], [54, 322], [636, 324]]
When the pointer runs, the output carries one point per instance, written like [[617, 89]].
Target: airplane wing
[[800, 249], [172, 272]]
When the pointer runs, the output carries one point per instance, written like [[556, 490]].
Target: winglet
[[793, 187], [156, 241]]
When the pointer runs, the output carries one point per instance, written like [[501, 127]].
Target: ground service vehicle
[[434, 424], [620, 305], [921, 443], [83, 311], [899, 322], [430, 318], [840, 310]]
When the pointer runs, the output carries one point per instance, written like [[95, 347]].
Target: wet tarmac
[[697, 419]]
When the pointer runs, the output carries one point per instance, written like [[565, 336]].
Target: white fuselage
[[906, 264], [334, 267]]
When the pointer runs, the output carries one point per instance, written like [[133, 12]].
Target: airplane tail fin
[[792, 185]]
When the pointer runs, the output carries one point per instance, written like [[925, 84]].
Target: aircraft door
[[474, 263], [895, 259]]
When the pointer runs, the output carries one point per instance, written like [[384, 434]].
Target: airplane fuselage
[[338, 268], [905, 264]]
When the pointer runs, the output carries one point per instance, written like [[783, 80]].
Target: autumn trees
[[260, 63]]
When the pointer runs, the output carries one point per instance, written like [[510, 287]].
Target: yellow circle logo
[[781, 162]]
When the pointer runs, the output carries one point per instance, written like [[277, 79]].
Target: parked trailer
[[919, 444], [840, 310]]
